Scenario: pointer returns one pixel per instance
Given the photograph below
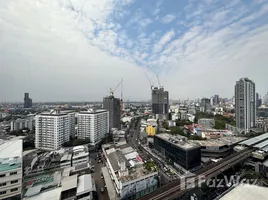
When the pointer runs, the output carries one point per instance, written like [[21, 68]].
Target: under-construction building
[[160, 101], [113, 105]]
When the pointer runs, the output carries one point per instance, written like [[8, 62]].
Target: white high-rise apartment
[[93, 124], [18, 124], [10, 169], [54, 128], [245, 105]]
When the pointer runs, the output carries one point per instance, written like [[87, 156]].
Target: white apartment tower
[[10, 169], [245, 104], [93, 124], [54, 128]]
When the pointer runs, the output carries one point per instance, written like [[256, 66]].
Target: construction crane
[[151, 84], [113, 90], [121, 100], [158, 81]]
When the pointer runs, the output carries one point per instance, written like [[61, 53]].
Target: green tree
[[219, 124], [177, 131], [165, 125], [204, 188], [183, 122]]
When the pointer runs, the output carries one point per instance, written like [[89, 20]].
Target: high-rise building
[[93, 124], [216, 99], [18, 124], [27, 101], [245, 104], [205, 105], [10, 169], [113, 105], [160, 101], [54, 128], [258, 100]]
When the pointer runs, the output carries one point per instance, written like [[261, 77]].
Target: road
[[97, 177], [132, 134], [132, 137]]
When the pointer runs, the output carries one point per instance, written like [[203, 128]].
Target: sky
[[76, 50]]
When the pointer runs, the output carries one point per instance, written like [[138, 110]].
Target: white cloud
[[168, 18], [163, 41], [74, 50], [145, 22], [54, 61], [262, 11]]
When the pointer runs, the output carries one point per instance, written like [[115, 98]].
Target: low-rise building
[[80, 155], [151, 130], [207, 123], [217, 148], [41, 161], [59, 187], [10, 169], [178, 151], [130, 179]]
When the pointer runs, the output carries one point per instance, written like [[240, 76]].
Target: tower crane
[[151, 84], [113, 90], [158, 81]]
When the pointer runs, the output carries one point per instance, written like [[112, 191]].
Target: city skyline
[[75, 51], [21, 101]]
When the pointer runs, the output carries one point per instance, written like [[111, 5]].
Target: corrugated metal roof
[[255, 140], [262, 144], [246, 192], [265, 148]]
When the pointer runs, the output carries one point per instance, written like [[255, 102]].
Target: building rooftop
[[56, 113], [48, 195], [69, 182], [10, 148], [66, 156], [177, 140], [255, 140], [135, 173], [115, 158], [219, 141], [10, 154], [246, 192], [127, 150], [93, 111], [85, 183], [35, 184]]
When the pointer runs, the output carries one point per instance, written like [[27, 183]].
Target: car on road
[[102, 189]]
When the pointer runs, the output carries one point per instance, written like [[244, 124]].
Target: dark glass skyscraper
[[27, 101], [113, 105], [160, 101]]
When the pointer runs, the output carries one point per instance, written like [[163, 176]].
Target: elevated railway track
[[178, 187]]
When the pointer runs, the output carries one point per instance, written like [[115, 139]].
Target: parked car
[[102, 189]]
